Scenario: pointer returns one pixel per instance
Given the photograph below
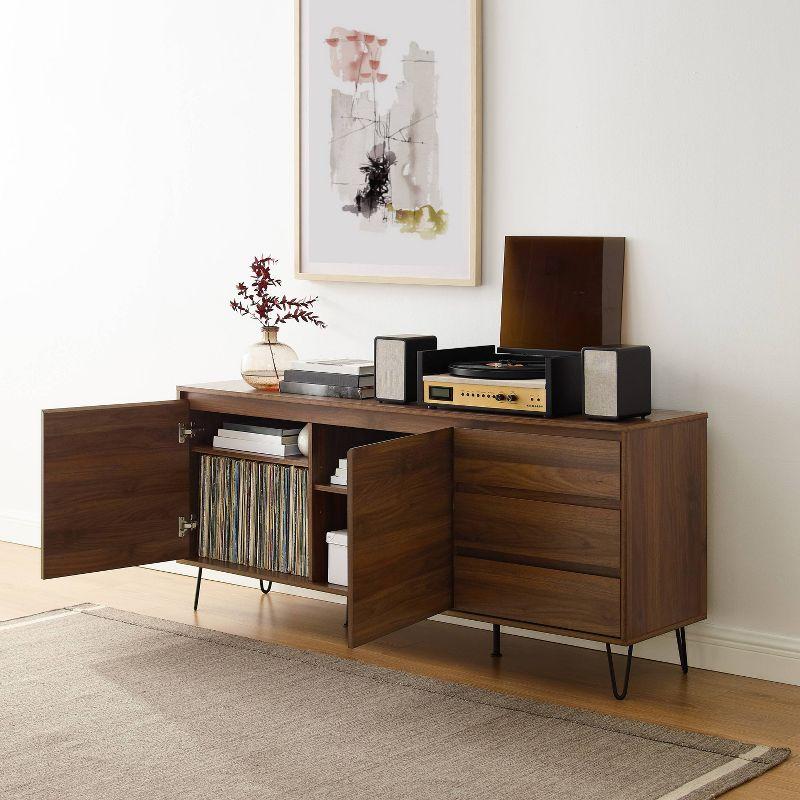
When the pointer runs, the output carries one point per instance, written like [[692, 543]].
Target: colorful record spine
[[254, 514]]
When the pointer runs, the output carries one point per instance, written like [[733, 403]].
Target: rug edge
[[774, 757], [42, 616]]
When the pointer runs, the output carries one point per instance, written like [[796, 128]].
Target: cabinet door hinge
[[185, 432], [186, 525]]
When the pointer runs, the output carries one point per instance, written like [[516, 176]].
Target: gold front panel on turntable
[[494, 396]]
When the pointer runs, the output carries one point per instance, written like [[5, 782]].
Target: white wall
[[145, 157]]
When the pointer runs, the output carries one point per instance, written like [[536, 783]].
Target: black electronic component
[[616, 382], [396, 366]]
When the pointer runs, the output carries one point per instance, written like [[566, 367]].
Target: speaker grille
[[390, 369], [600, 383]]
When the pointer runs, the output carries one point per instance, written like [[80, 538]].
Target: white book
[[337, 481], [343, 463], [258, 437], [341, 473], [265, 448], [290, 430], [337, 366]]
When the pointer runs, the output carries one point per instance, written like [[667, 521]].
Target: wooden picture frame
[[470, 273]]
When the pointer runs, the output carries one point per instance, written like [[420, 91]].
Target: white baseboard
[[20, 528], [715, 647]]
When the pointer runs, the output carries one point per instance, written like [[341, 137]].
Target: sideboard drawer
[[532, 532], [548, 597], [548, 465]]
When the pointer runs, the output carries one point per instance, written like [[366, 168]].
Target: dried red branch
[[256, 302]]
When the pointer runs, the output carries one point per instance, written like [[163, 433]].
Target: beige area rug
[[98, 704]]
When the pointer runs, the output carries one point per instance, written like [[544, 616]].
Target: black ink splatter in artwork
[[377, 182]]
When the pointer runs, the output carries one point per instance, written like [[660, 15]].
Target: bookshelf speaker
[[616, 382], [396, 366]]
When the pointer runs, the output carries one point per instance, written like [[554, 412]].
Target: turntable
[[559, 294], [519, 383], [504, 383]]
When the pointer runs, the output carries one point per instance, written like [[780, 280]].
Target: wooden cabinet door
[[115, 479], [400, 533]]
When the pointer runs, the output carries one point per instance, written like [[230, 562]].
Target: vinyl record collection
[[254, 513]]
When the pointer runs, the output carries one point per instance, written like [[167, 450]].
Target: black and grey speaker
[[616, 382], [396, 366]]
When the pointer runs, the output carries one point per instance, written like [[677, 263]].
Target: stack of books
[[339, 478], [344, 377], [269, 441], [254, 514]]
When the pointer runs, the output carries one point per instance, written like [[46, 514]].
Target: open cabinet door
[[400, 537], [115, 479]]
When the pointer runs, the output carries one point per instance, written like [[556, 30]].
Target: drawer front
[[548, 465], [532, 532], [549, 597]]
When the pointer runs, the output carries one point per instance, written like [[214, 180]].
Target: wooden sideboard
[[594, 530]]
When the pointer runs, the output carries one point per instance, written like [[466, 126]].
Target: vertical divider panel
[[317, 512]]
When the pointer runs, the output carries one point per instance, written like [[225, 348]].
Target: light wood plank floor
[[714, 703]]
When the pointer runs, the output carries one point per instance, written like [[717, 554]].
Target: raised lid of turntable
[[562, 292]]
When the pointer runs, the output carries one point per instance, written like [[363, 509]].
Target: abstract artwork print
[[388, 139]]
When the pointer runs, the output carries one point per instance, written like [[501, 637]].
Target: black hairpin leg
[[619, 695], [680, 635], [197, 587], [261, 586], [496, 641]]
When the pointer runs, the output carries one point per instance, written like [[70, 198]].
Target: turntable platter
[[500, 369]]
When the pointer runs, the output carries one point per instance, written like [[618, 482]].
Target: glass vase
[[264, 362]]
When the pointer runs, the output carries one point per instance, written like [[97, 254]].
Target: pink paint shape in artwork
[[347, 54]]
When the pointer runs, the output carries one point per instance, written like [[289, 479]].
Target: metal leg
[[619, 695], [197, 588], [680, 635], [261, 586], [496, 641]]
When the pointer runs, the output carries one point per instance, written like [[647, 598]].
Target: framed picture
[[389, 141]]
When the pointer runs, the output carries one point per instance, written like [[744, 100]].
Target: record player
[[559, 294]]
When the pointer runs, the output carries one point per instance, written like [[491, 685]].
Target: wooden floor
[[714, 703]]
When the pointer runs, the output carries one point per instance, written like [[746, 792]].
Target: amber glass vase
[[264, 362]]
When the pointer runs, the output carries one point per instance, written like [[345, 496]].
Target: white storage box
[[337, 557]]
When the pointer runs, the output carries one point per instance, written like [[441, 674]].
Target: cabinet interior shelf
[[288, 461], [285, 578], [331, 488]]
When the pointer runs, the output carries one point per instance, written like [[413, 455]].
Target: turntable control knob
[[511, 398], [500, 397]]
